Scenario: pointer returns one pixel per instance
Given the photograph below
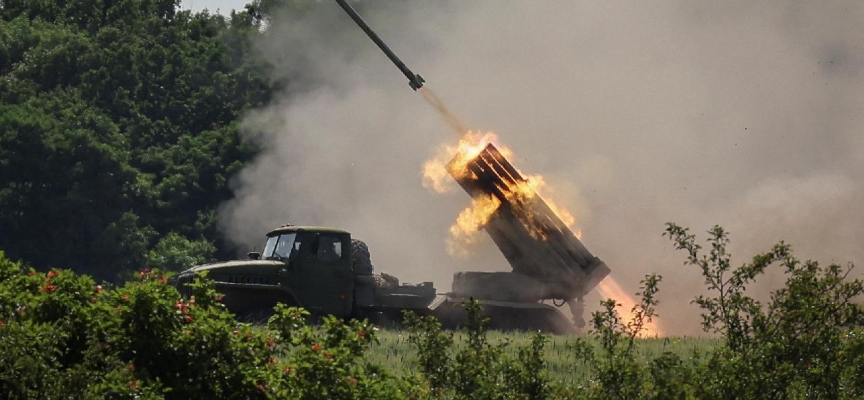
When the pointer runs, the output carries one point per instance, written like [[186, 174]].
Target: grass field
[[395, 353]]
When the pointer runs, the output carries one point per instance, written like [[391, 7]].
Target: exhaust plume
[[442, 110]]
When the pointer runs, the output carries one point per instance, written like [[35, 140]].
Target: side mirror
[[254, 255]]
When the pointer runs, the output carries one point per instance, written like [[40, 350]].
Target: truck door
[[327, 282]]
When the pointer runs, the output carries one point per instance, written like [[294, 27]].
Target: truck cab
[[304, 266]]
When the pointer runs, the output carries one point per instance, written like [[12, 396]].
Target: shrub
[[329, 363], [805, 343], [64, 336], [479, 369], [618, 372]]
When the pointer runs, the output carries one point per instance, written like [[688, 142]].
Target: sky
[[223, 6], [744, 114]]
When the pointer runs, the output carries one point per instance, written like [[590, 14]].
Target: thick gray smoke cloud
[[743, 114]]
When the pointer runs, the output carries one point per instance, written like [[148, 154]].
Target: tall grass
[[394, 351]]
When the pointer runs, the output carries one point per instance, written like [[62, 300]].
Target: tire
[[360, 258]]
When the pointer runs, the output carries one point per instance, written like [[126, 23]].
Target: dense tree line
[[118, 129]]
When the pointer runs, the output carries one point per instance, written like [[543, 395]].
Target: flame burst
[[609, 289], [463, 232], [470, 220], [468, 223], [435, 176]]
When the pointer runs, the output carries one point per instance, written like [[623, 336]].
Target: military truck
[[320, 269]]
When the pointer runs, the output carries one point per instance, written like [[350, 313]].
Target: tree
[[120, 127]]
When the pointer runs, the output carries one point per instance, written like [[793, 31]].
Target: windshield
[[268, 248], [280, 246]]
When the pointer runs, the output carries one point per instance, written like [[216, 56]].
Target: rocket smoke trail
[[450, 118], [415, 81]]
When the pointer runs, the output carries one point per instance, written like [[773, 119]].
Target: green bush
[[64, 336], [805, 342], [479, 369]]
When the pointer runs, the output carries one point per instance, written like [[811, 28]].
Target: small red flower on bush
[[133, 385], [144, 273], [361, 333], [271, 361], [126, 297], [352, 380], [52, 274], [163, 279], [315, 347], [328, 356], [189, 318], [270, 343], [287, 370], [49, 288]]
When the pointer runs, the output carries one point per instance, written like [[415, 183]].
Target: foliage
[[140, 339], [804, 343], [330, 364], [175, 252], [565, 364], [480, 369], [618, 372], [64, 336], [118, 126], [433, 349]]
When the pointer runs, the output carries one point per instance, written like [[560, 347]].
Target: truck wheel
[[360, 258]]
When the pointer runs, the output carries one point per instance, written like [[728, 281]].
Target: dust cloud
[[743, 114]]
